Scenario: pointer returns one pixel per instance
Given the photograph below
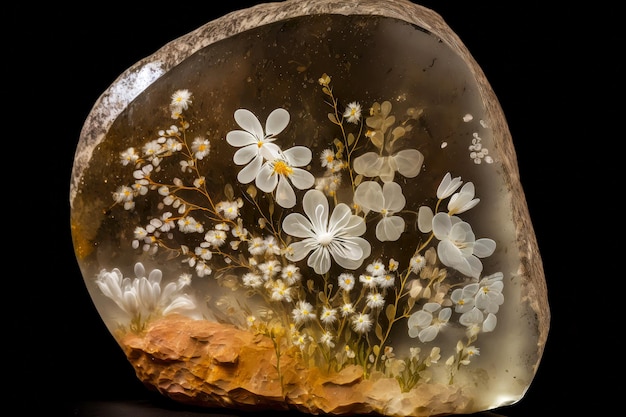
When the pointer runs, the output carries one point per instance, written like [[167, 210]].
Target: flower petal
[[428, 334], [285, 197], [302, 179], [448, 253], [355, 227], [425, 219], [250, 171], [369, 195], [249, 122], [295, 224], [315, 206], [245, 154], [298, 156], [276, 122], [269, 151], [387, 169], [266, 180], [351, 252], [389, 228], [320, 260], [240, 138], [340, 218], [484, 247], [442, 224], [448, 186], [368, 164], [301, 249], [393, 197], [408, 162]]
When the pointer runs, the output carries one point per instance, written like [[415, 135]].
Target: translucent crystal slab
[[312, 205]]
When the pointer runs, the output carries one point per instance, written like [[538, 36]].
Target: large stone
[[312, 205]]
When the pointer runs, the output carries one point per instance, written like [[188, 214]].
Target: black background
[[60, 59]]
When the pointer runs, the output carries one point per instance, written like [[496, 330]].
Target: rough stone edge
[[139, 76]]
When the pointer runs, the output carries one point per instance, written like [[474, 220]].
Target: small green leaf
[[332, 118]]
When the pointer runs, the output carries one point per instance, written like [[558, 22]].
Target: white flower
[[447, 186], [346, 281], [368, 281], [386, 281], [280, 291], [257, 246], [376, 268], [489, 297], [362, 323], [181, 99], [407, 162], [386, 200], [200, 147], [353, 112], [256, 145], [464, 298], [347, 309], [337, 237], [424, 325], [303, 312], [230, 209], [416, 263], [129, 156], [458, 247], [475, 321], [375, 300], [463, 200], [278, 172], [291, 274], [252, 280], [327, 157], [142, 296], [328, 316], [270, 268], [117, 288], [327, 339]]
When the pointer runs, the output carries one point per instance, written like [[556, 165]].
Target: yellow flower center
[[281, 168]]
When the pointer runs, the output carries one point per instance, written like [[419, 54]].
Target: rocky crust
[[208, 364]]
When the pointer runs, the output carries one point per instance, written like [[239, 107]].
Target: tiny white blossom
[[129, 156], [376, 268], [328, 316], [362, 323], [347, 309], [291, 274], [375, 300], [416, 263], [346, 281], [353, 112], [200, 147], [303, 312], [181, 99], [252, 280], [326, 339]]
